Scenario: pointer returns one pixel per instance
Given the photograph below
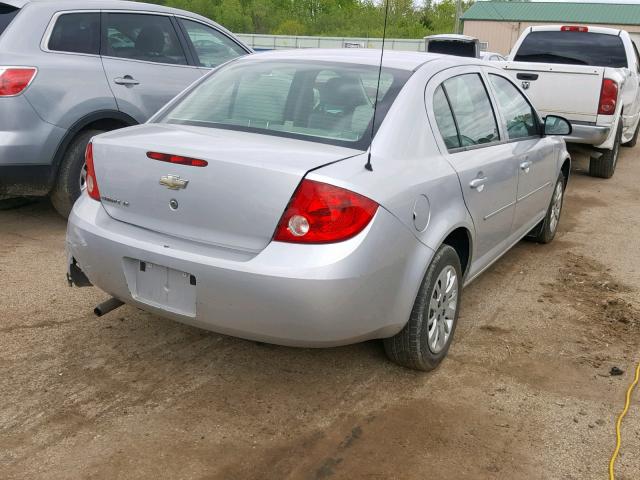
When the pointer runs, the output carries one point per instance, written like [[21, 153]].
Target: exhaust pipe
[[107, 306]]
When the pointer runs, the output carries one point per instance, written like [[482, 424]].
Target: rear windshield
[[574, 48], [7, 13], [453, 47], [318, 101]]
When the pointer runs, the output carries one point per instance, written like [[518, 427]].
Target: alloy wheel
[[556, 207], [443, 304]]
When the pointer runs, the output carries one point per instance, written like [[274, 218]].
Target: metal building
[[499, 24]]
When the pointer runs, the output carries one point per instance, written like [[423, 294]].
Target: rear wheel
[[72, 175], [605, 165], [424, 341]]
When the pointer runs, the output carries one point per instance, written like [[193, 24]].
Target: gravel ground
[[525, 393]]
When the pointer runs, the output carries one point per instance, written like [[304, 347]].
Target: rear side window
[[76, 33], [573, 48], [212, 47], [472, 110], [444, 119], [150, 38], [7, 13]]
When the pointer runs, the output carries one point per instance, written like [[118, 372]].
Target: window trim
[[498, 124], [539, 122]]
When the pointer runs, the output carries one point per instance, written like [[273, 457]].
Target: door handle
[[526, 166], [127, 81], [532, 77], [478, 183]]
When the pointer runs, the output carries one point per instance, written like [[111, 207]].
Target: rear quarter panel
[[407, 165]]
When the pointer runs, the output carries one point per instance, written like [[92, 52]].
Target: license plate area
[[162, 287]]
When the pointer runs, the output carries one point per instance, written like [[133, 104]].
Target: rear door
[[487, 170], [534, 153], [145, 62]]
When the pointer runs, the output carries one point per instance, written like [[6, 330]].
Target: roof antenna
[[375, 104]]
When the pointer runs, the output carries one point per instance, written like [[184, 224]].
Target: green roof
[[598, 13]]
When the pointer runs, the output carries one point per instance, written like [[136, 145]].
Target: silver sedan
[[274, 200]]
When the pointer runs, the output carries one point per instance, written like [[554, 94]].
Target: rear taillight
[[574, 28], [323, 213], [13, 80], [92, 181], [608, 97], [177, 159]]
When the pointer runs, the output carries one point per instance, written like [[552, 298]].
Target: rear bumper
[[297, 295], [588, 134], [27, 147]]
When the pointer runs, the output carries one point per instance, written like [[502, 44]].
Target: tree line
[[340, 18]]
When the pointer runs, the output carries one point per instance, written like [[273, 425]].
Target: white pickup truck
[[589, 75]]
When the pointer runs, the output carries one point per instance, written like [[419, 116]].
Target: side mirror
[[554, 125]]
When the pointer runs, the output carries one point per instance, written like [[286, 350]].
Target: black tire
[[67, 187], [410, 347], [605, 166], [546, 230], [634, 139]]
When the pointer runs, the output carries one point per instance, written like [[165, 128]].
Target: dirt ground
[[525, 393]]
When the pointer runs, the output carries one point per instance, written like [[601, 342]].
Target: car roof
[[363, 56], [98, 4]]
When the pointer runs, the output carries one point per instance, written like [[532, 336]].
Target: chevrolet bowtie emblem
[[173, 182]]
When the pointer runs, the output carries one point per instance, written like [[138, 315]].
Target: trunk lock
[[173, 204]]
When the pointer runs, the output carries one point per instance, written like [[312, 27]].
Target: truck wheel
[[424, 341], [634, 139], [546, 231], [72, 174], [604, 166]]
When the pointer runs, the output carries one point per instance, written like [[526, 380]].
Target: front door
[[535, 154], [145, 62], [486, 168]]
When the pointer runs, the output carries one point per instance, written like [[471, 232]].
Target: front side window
[[521, 118], [574, 48], [212, 47], [317, 101], [472, 110], [150, 38], [76, 33]]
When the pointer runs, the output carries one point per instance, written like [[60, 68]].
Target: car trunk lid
[[235, 201]]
